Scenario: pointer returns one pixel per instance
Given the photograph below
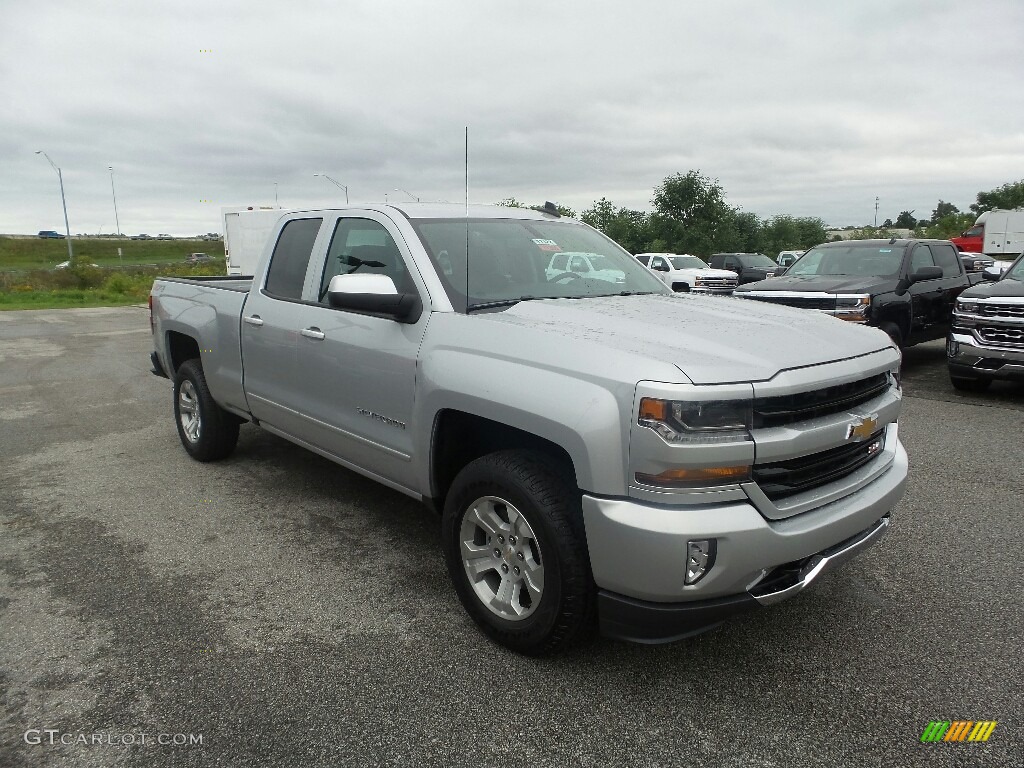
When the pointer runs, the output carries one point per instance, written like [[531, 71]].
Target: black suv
[[905, 287], [751, 267]]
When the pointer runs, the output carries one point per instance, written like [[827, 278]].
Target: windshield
[[755, 260], [1016, 272], [513, 260], [863, 259], [687, 262]]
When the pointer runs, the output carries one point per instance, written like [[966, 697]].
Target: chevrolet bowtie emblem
[[863, 429]]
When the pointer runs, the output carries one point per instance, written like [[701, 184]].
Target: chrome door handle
[[313, 333], [254, 320]]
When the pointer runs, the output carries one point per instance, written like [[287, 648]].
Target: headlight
[[967, 306], [702, 421], [853, 308]]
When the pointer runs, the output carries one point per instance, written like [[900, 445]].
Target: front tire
[[513, 538], [206, 430]]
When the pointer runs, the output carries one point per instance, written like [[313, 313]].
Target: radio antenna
[[467, 170]]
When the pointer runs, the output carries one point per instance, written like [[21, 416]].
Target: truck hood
[[989, 290], [824, 284], [711, 339]]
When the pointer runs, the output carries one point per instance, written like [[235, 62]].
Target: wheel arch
[[459, 437], [180, 347]]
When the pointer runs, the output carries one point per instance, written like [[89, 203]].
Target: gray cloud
[[796, 107]]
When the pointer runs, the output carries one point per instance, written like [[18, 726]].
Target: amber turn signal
[[689, 478]]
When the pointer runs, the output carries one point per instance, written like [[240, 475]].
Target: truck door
[[925, 296], [954, 280], [358, 372], [270, 328]]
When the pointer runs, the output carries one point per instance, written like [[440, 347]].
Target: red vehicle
[[997, 233], [970, 240]]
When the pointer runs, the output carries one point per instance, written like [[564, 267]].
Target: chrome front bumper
[[638, 554], [969, 357]]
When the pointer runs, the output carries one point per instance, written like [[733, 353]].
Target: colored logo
[[863, 429], [958, 730]]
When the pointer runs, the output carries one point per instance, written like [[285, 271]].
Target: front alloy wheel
[[502, 558], [516, 549]]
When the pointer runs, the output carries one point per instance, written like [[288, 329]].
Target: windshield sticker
[[546, 245]]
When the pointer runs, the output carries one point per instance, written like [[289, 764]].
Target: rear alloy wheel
[[513, 539], [969, 385], [207, 431]]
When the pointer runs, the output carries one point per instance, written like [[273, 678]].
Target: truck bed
[[224, 282], [207, 310]]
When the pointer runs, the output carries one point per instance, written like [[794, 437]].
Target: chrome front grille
[[717, 282], [992, 309], [1013, 337], [827, 303]]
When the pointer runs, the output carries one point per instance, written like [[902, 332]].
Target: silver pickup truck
[[600, 451]]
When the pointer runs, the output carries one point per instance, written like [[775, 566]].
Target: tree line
[[691, 215]]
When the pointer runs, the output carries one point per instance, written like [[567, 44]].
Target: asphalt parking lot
[[291, 613]]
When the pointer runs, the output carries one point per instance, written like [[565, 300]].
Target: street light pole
[[276, 202], [876, 212], [117, 222], [410, 194], [60, 178], [335, 183]]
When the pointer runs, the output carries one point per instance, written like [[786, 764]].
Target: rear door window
[[945, 257], [290, 260]]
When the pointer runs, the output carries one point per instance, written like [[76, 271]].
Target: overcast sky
[[797, 107]]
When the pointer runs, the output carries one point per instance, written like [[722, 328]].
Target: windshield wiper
[[499, 303]]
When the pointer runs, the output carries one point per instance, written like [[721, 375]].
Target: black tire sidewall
[[485, 477], [217, 432]]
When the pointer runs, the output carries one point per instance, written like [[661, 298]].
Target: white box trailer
[[998, 233], [1004, 232], [246, 229]]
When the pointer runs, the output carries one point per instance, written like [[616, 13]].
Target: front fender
[[586, 418]]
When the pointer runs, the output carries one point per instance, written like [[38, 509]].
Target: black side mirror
[[924, 273], [991, 273]]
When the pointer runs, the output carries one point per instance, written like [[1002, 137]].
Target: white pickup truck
[[682, 272], [601, 451]]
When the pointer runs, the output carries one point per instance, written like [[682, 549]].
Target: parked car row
[[915, 290]]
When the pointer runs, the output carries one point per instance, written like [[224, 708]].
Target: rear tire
[[969, 385], [536, 595], [206, 430]]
